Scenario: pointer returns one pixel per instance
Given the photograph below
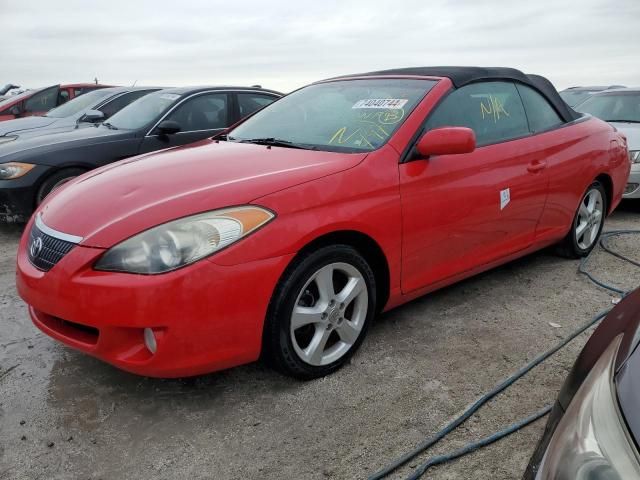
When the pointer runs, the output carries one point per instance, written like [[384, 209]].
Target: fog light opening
[[631, 187], [150, 340]]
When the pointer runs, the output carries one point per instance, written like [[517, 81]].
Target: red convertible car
[[284, 237], [39, 101]]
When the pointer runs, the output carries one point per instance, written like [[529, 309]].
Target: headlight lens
[[591, 441], [184, 241], [12, 170], [634, 156], [8, 138]]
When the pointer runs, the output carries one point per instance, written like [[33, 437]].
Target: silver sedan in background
[[576, 95], [621, 108]]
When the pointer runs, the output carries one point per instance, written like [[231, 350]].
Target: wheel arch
[[607, 183], [367, 247], [54, 171]]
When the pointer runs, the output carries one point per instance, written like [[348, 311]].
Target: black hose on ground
[[471, 447]]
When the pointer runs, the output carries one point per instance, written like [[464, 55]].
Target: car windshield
[[79, 104], [339, 116], [575, 97], [143, 111], [613, 107]]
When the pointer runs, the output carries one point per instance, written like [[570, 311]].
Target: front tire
[[587, 223], [320, 312], [55, 181]]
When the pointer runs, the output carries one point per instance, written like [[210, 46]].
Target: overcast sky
[[284, 44]]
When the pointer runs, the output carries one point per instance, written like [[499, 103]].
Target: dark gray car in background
[[30, 168], [92, 107]]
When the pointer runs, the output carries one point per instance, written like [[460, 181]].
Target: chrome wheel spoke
[[348, 332], [314, 351], [580, 229], [591, 201], [351, 290], [584, 211], [324, 282], [306, 315], [597, 215]]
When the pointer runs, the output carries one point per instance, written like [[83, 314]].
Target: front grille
[[45, 251]]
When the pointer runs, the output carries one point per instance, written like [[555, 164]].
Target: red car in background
[[39, 101], [285, 237]]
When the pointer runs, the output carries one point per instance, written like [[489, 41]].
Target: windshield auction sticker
[[389, 103]]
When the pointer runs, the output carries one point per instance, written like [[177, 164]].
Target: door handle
[[537, 166]]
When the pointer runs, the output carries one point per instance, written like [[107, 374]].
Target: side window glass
[[42, 101], [493, 110], [63, 97], [204, 112], [120, 102], [542, 116], [252, 102]]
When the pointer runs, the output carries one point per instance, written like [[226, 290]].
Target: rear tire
[[587, 224], [320, 312], [57, 180]]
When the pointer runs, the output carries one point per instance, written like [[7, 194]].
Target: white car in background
[[8, 90], [621, 108]]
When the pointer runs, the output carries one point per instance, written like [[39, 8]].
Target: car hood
[[10, 127], [110, 204], [630, 130], [33, 149]]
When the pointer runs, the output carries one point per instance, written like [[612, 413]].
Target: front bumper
[[205, 317], [18, 196], [632, 189], [16, 204]]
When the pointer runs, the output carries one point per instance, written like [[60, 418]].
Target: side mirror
[[92, 116], [168, 127], [447, 141]]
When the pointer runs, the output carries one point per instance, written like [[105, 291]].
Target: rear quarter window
[[252, 102], [541, 115], [493, 110]]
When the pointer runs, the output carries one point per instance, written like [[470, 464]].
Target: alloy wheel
[[329, 314], [589, 219]]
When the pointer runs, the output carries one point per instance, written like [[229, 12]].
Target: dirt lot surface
[[65, 415]]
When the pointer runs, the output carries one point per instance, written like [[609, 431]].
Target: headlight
[[591, 441], [14, 170], [184, 241], [8, 138], [634, 156]]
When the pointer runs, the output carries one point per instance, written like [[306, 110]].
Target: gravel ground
[[64, 415]]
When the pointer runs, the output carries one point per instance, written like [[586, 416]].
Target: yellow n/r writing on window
[[493, 109]]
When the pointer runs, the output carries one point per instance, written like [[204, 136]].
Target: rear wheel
[[320, 312], [587, 223], [55, 181]]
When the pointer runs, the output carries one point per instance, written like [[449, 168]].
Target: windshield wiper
[[624, 121], [109, 126], [276, 142]]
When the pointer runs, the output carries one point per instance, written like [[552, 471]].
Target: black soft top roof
[[461, 76]]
